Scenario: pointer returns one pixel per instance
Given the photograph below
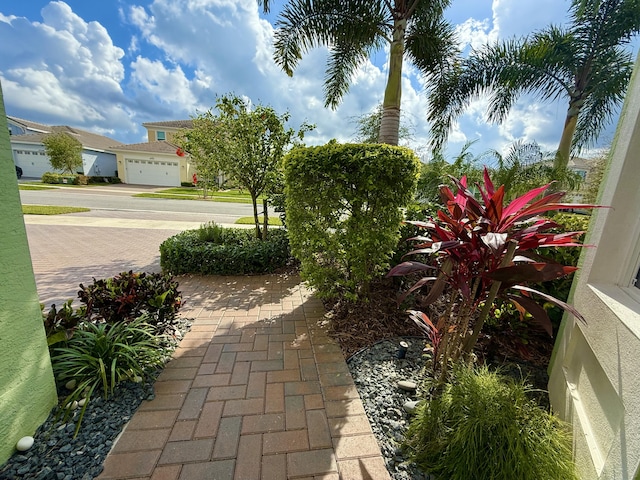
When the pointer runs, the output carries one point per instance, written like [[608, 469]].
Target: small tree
[[198, 141], [64, 151], [249, 144]]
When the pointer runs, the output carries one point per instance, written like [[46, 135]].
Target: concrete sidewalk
[[256, 390]]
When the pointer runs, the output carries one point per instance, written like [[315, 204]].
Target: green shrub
[[58, 178], [211, 232], [238, 253], [103, 179], [343, 207], [129, 295], [484, 426], [99, 356]]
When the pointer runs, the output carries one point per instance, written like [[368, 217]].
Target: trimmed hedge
[[237, 252], [103, 179], [59, 178], [76, 179], [343, 206]]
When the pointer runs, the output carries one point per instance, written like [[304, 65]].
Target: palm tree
[[524, 167], [354, 29], [585, 63]]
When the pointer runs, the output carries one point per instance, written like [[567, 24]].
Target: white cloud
[[64, 69], [180, 54]]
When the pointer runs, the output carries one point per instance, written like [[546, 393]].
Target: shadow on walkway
[[256, 390]]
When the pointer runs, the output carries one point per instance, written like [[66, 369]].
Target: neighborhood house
[[29, 154]]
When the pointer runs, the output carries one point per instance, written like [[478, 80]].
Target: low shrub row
[[60, 178], [212, 250], [76, 179]]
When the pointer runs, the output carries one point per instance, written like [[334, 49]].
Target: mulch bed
[[358, 325]]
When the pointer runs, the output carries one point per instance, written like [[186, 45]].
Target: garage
[[152, 172], [34, 163]]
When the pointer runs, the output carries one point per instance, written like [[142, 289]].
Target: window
[[161, 135]]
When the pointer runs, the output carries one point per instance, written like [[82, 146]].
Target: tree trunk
[[390, 123], [256, 218], [563, 154], [265, 224]]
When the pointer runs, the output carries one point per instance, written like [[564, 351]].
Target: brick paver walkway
[[256, 390]]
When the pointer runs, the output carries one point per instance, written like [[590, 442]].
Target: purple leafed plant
[[480, 250]]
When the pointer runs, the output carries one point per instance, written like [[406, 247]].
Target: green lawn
[[190, 193], [50, 210], [275, 221], [33, 186]]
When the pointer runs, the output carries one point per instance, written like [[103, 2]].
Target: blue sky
[[108, 66]]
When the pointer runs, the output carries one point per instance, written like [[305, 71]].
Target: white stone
[[70, 385], [24, 444], [407, 385], [410, 406], [137, 379], [81, 402]]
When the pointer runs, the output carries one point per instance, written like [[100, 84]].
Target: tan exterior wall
[[595, 372], [27, 389], [153, 131], [187, 169]]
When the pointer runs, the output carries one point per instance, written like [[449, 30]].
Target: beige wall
[[186, 168], [169, 132], [595, 372]]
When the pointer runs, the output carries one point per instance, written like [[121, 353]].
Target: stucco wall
[[595, 373], [27, 390], [99, 163]]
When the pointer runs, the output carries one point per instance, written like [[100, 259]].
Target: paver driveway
[[65, 254]]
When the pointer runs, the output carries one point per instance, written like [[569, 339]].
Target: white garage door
[[33, 163], [153, 172]]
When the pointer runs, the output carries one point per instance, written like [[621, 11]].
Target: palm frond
[[431, 45], [304, 25], [609, 79]]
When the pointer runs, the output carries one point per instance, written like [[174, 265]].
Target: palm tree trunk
[[563, 154], [390, 123]]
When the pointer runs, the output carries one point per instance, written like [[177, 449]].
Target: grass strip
[[212, 198], [51, 210], [275, 221], [23, 186]]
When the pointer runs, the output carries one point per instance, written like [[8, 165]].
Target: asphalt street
[[120, 233]]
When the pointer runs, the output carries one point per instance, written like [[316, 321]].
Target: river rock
[[407, 386]]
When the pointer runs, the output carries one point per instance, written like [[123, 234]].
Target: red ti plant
[[481, 250]]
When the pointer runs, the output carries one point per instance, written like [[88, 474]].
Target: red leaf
[[538, 313], [488, 184], [523, 200], [555, 301], [494, 208], [405, 268], [416, 286], [530, 273]]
